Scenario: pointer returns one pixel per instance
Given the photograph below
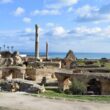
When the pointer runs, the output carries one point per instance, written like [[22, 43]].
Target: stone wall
[[0, 74], [63, 77], [12, 72], [105, 87], [9, 59], [30, 74], [38, 74]]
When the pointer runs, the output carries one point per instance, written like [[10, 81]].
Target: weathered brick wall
[[31, 73], [15, 72], [38, 74]]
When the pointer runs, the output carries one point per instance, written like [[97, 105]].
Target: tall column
[[46, 50], [36, 43]]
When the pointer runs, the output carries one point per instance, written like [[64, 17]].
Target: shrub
[[78, 87]]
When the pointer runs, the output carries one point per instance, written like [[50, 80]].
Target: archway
[[94, 86]]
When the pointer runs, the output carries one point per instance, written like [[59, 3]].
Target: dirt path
[[18, 101]]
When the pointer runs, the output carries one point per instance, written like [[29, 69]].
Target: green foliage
[[77, 87], [80, 62]]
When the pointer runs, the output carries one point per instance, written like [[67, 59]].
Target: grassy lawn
[[55, 95]]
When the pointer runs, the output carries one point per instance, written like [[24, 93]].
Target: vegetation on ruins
[[53, 94], [77, 87], [101, 63]]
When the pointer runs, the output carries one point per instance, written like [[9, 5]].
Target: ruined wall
[[38, 74], [12, 73], [105, 87], [63, 81], [0, 74], [30, 74]]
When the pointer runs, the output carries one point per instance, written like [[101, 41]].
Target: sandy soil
[[18, 101]]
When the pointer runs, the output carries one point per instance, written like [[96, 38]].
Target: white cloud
[[29, 30], [9, 38], [32, 31], [58, 4], [86, 30], [86, 10], [6, 1], [56, 31], [86, 36], [50, 24], [79, 33], [91, 33], [59, 31], [69, 2], [70, 9], [46, 12], [83, 32], [27, 20], [19, 11], [93, 14]]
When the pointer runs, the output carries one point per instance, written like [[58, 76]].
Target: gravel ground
[[19, 101]]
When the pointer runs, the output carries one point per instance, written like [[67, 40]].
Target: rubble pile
[[21, 85], [7, 58]]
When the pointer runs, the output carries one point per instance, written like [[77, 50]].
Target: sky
[[79, 25]]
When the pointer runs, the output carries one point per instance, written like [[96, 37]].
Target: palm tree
[[0, 49], [8, 48], [4, 46], [12, 47]]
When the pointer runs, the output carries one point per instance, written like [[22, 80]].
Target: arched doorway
[[94, 86]]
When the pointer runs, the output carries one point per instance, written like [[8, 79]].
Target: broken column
[[46, 50], [36, 43]]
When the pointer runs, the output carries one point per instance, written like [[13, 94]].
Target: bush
[[68, 92], [78, 87]]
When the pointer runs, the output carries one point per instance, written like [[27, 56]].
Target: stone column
[[36, 43], [46, 50]]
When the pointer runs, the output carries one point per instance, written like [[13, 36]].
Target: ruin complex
[[33, 73]]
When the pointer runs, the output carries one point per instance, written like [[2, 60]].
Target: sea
[[77, 54]]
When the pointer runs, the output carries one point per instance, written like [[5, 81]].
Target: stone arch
[[94, 86], [66, 83]]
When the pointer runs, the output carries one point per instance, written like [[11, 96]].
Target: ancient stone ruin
[[7, 58], [31, 74], [69, 60], [17, 73], [96, 83]]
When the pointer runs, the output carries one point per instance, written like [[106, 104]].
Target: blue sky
[[79, 25]]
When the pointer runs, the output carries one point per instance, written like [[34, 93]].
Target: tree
[[4, 46], [0, 49], [8, 48], [12, 47]]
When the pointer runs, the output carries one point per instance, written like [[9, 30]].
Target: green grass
[[80, 62], [62, 96], [107, 65]]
